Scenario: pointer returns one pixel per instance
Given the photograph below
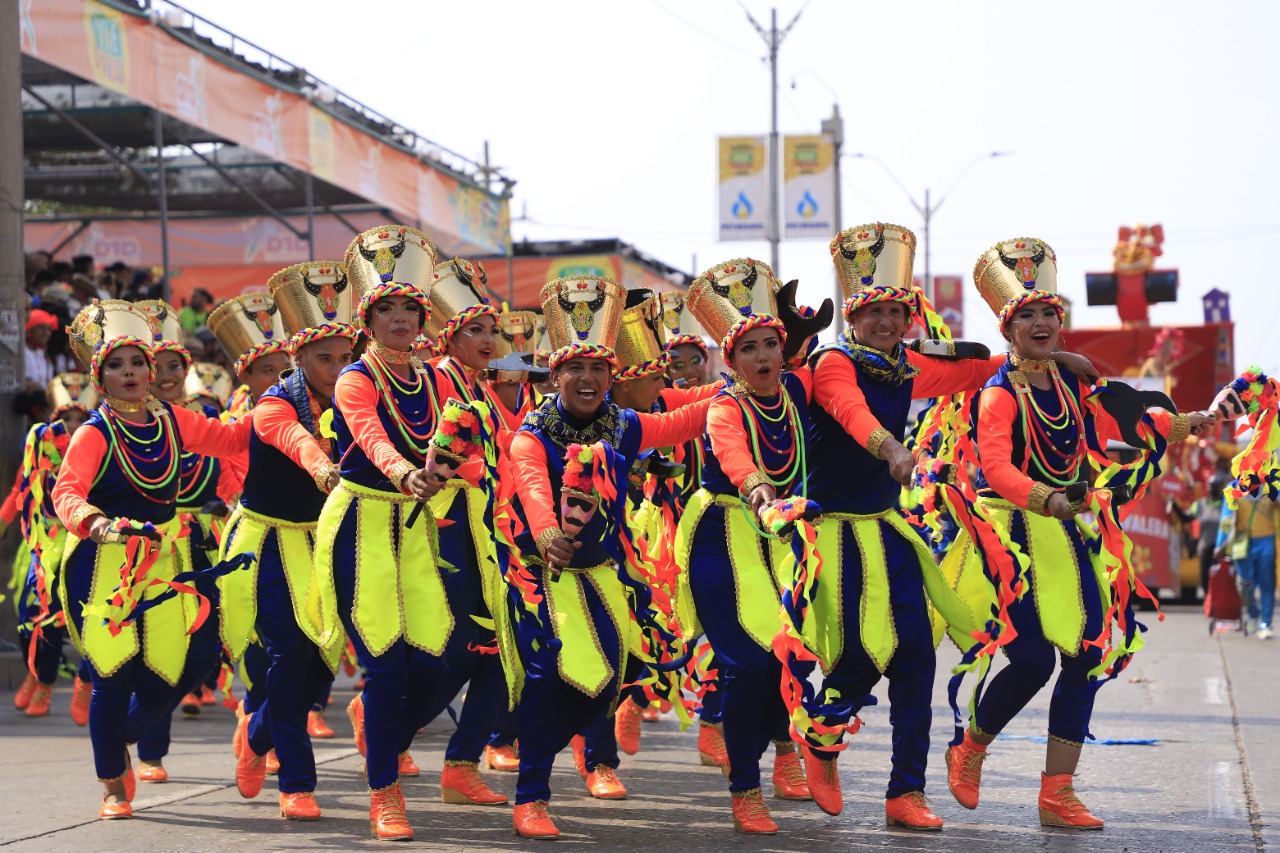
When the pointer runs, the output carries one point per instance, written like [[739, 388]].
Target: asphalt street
[[1209, 780]]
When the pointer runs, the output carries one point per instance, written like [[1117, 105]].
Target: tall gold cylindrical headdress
[[729, 293], [517, 332], [167, 329], [582, 314], [315, 302], [874, 264], [103, 320], [206, 379], [390, 260], [682, 327], [541, 341], [71, 391], [1015, 272], [459, 294], [249, 326], [641, 335]]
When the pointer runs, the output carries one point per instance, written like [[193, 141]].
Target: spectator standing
[[1249, 537], [39, 368], [196, 313]]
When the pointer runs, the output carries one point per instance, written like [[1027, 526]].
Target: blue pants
[[463, 662], [398, 683], [1032, 657], [712, 700], [910, 671], [124, 706], [504, 729], [753, 712], [295, 678], [1256, 578], [322, 701], [551, 711], [599, 737]]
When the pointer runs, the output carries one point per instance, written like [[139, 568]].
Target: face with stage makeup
[[689, 363], [395, 321], [1033, 330], [126, 374], [475, 342], [757, 359], [171, 376]]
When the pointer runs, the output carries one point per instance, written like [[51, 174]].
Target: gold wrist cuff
[[322, 477], [1038, 499], [877, 438], [544, 539], [1179, 428], [78, 517], [749, 484], [399, 471]]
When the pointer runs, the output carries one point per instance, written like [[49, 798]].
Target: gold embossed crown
[[874, 264], [582, 314], [167, 329], [102, 321], [249, 326], [731, 292], [459, 294], [681, 326], [541, 341], [517, 332], [1013, 273], [390, 260], [641, 336], [71, 391], [313, 295], [206, 379]]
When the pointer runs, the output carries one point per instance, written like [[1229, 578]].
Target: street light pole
[[834, 128]]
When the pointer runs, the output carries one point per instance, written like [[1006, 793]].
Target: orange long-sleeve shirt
[[357, 399], [729, 439], [276, 422]]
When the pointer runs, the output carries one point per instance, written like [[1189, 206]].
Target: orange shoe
[[532, 821], [912, 811], [299, 806], [751, 815], [152, 771], [1059, 805], [964, 770], [207, 696], [191, 705], [502, 758], [387, 819], [39, 704], [626, 726], [129, 779], [579, 746], [251, 768], [604, 784], [824, 781], [711, 750], [355, 713], [316, 726], [235, 736], [272, 763], [460, 782], [788, 777], [81, 693], [119, 810], [22, 698], [649, 713], [406, 766]]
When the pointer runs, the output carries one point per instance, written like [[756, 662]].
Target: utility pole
[[773, 40], [834, 128]]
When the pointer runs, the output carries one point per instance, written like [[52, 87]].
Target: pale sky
[[607, 114]]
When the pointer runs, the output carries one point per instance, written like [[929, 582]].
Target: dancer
[[116, 495]]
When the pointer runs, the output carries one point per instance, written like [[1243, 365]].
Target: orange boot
[[251, 768], [626, 726], [272, 763], [130, 780], [912, 811], [39, 704], [406, 766], [460, 782], [299, 806], [824, 781], [22, 698], [119, 808], [316, 726], [751, 815], [1059, 805], [81, 693], [387, 819], [355, 713], [788, 777], [532, 821], [604, 784], [207, 696], [711, 750], [649, 713], [964, 770], [152, 771], [191, 705], [235, 736], [579, 746], [502, 758]]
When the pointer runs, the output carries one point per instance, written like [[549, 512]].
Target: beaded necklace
[[758, 416], [152, 451], [416, 432], [197, 471], [466, 385], [1049, 437]]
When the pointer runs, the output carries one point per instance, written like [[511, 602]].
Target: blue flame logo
[[808, 206], [742, 208]]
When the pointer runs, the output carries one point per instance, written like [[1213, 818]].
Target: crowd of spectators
[[57, 290]]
